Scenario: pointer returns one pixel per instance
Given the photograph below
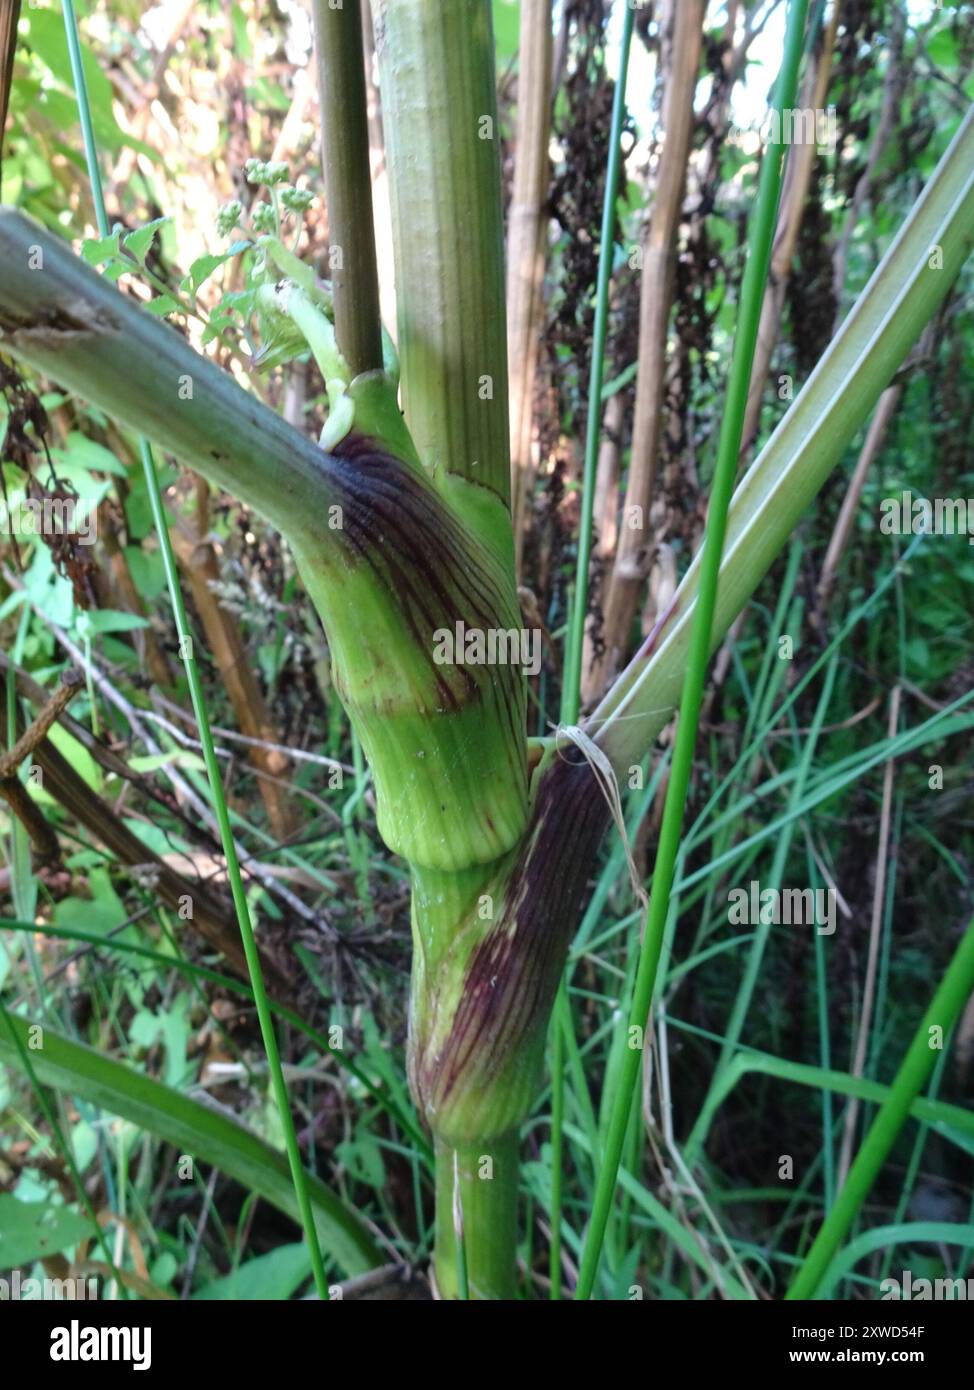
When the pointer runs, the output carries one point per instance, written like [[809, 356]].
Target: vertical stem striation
[[436, 64], [478, 1184]]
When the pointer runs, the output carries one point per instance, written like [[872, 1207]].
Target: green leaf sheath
[[488, 951]]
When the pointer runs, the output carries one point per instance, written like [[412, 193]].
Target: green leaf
[[78, 756], [32, 1231], [80, 451], [507, 25], [101, 913], [362, 1158], [46, 38], [107, 620], [194, 1129], [147, 570], [942, 49], [139, 242], [276, 1276], [162, 304], [204, 266], [269, 94], [171, 1027], [95, 250], [241, 40]]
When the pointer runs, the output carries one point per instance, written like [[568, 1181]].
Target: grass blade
[[195, 1129], [728, 451], [945, 1009]]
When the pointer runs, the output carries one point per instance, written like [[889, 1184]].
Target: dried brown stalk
[[658, 256]]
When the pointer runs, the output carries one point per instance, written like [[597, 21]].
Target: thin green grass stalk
[[238, 893], [728, 452], [914, 1072], [916, 1157], [575, 635], [571, 679], [84, 115], [825, 1055], [564, 1035], [557, 1133]]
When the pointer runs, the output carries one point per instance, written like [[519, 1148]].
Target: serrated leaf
[[162, 305], [201, 270], [95, 250], [139, 242]]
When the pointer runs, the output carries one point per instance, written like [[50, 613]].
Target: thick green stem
[[474, 1050], [348, 183], [436, 64], [476, 1187]]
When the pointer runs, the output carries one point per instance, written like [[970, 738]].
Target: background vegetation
[[835, 749]]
